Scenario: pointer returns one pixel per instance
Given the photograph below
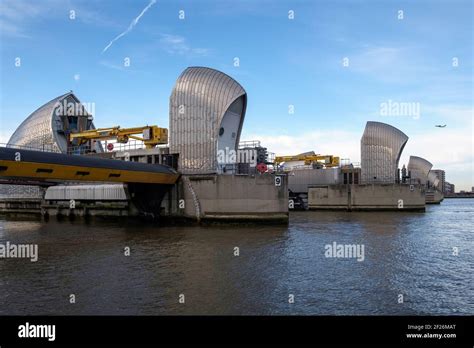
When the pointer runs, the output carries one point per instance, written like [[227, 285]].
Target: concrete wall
[[328, 197], [300, 179], [20, 205], [434, 197], [367, 197], [88, 192], [21, 191], [235, 197], [84, 208]]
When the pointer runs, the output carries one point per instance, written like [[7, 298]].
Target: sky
[[315, 71]]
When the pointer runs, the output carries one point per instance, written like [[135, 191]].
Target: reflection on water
[[405, 253]]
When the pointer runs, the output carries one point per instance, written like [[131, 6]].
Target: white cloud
[[5, 136], [175, 44], [92, 17], [457, 114], [451, 150], [329, 142], [375, 59], [391, 64], [12, 30], [17, 15], [15, 10], [112, 65]]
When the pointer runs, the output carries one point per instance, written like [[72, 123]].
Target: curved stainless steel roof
[[433, 179], [381, 148], [42, 129], [419, 168], [200, 104], [36, 130]]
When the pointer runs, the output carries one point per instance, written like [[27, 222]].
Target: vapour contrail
[[131, 26]]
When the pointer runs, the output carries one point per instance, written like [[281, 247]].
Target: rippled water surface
[[405, 253]]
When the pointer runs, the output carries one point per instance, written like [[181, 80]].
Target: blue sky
[[283, 62]]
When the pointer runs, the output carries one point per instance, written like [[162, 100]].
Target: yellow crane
[[150, 135], [328, 160]]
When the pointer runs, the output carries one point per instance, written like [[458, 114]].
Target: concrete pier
[[261, 198], [255, 198], [20, 205], [367, 197], [434, 197]]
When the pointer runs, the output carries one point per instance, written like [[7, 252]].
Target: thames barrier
[[203, 172]]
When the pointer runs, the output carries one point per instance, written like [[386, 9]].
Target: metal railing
[[42, 148], [79, 150], [250, 143], [242, 169], [130, 145], [350, 165], [271, 157], [117, 147]]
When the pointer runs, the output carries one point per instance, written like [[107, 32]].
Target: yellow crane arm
[[329, 160], [150, 135]]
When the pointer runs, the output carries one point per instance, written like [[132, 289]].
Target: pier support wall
[[367, 197], [434, 197], [231, 198]]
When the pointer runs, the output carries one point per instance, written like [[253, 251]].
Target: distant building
[[472, 189], [449, 188], [441, 175]]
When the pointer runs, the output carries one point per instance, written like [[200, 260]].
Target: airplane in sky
[[440, 126]]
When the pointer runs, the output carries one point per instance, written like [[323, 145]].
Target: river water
[[428, 258]]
